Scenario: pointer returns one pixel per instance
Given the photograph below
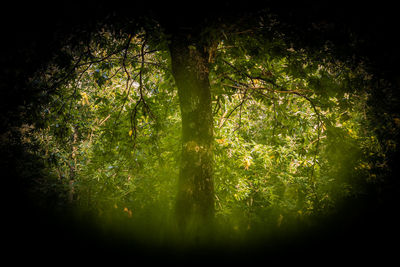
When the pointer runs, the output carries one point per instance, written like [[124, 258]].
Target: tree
[[190, 60], [284, 123], [267, 140]]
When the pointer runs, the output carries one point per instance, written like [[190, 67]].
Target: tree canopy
[[294, 132]]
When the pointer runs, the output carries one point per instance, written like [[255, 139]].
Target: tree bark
[[190, 68]]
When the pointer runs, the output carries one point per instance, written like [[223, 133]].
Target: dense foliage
[[291, 126]]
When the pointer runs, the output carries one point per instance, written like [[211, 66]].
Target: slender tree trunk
[[195, 199]]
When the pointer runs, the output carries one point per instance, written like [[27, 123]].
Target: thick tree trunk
[[195, 200]]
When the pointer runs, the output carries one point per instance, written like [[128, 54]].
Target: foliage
[[295, 142], [292, 140]]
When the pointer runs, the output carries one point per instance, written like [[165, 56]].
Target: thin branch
[[141, 70], [230, 113], [261, 88], [73, 96], [282, 92], [236, 69], [101, 59], [133, 122], [115, 73], [141, 98], [127, 87], [244, 98], [234, 81], [124, 59], [157, 64], [252, 78], [68, 75], [217, 106], [109, 56]]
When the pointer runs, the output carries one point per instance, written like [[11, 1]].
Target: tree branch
[[230, 113]]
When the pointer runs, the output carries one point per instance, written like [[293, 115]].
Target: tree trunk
[[190, 68]]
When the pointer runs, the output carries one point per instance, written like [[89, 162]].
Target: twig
[[217, 106], [104, 120], [230, 113], [240, 111], [127, 87], [141, 98]]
